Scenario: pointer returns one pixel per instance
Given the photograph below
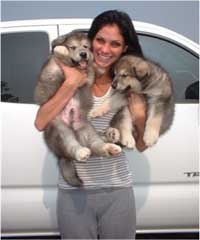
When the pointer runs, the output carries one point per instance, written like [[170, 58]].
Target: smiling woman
[[100, 173], [108, 45]]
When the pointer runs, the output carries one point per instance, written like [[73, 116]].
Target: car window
[[23, 54], [181, 64]]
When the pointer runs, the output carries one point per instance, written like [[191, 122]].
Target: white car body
[[165, 176]]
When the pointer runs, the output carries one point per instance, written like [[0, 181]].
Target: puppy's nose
[[114, 84], [83, 55]]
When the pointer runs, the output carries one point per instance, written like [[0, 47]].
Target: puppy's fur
[[139, 75], [70, 135]]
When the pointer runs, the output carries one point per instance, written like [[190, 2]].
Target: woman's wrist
[[67, 84]]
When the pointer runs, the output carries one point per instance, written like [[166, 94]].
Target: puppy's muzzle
[[84, 60], [114, 84], [83, 55]]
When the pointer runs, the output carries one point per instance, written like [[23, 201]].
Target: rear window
[[181, 64], [23, 54]]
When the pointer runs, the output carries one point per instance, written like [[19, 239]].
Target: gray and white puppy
[[139, 75], [70, 136]]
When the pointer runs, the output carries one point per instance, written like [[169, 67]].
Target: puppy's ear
[[60, 51], [142, 69], [60, 40]]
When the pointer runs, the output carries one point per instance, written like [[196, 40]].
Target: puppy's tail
[[69, 173]]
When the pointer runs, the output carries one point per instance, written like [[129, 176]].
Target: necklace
[[100, 89], [101, 85]]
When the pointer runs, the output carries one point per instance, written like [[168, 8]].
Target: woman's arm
[[49, 110], [137, 108]]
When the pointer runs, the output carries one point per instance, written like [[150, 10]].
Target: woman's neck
[[101, 85]]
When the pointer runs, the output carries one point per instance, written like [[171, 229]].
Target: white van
[[165, 176]]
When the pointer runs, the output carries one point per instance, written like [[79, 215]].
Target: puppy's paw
[[112, 135], [83, 154], [95, 113], [111, 149], [100, 110], [142, 69], [61, 50], [151, 137], [128, 141]]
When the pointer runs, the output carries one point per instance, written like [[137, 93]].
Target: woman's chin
[[103, 64]]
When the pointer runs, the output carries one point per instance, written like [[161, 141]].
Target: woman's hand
[[137, 108], [73, 76]]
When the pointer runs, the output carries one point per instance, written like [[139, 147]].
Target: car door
[[24, 50], [167, 174]]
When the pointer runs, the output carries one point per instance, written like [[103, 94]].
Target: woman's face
[[108, 45]]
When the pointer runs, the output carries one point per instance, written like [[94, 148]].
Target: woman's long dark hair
[[123, 21]]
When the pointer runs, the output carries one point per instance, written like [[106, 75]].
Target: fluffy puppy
[[138, 75], [70, 136]]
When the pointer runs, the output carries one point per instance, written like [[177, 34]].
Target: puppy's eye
[[124, 75], [73, 47], [85, 46]]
